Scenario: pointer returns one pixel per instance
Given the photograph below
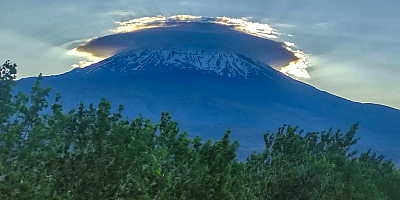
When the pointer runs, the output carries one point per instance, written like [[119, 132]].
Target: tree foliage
[[94, 153]]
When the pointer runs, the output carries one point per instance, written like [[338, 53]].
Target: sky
[[352, 46]]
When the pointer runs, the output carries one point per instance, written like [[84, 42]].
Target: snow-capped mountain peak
[[219, 62]]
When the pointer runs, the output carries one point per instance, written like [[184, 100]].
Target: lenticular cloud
[[255, 40]]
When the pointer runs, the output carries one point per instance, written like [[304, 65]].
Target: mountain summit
[[223, 63], [209, 91]]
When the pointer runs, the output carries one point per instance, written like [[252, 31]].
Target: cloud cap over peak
[[192, 35], [251, 39]]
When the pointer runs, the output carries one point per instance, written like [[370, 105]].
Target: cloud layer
[[255, 40]]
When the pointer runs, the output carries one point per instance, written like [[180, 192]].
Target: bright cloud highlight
[[84, 63]]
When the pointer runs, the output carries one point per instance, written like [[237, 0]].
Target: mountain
[[223, 63], [209, 91]]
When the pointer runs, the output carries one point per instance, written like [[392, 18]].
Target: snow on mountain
[[219, 62]]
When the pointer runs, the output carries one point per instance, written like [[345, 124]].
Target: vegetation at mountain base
[[94, 153]]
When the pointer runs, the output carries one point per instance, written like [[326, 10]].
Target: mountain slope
[[211, 91]]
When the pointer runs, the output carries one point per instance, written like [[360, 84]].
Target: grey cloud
[[37, 56], [193, 35]]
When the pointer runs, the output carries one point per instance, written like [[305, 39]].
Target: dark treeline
[[92, 153]]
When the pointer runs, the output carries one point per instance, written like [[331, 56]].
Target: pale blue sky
[[353, 45]]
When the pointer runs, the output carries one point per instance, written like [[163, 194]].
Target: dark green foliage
[[92, 153]]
